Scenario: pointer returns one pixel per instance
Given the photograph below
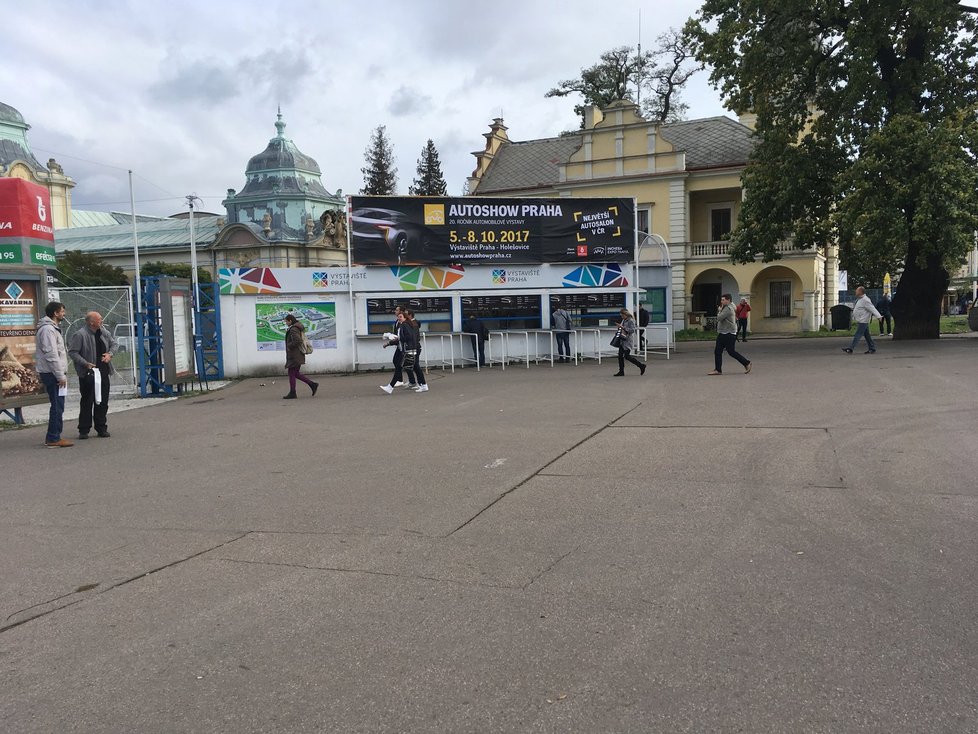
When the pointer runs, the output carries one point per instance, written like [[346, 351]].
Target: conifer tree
[[380, 174], [429, 180]]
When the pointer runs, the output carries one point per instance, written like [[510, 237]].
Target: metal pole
[[196, 289], [974, 273], [136, 340]]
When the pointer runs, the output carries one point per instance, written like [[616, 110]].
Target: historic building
[[283, 217], [17, 161], [686, 179]]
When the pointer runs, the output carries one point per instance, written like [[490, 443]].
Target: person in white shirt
[[863, 313]]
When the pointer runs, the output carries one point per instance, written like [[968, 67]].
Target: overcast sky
[[185, 93]]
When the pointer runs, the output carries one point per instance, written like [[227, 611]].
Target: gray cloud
[[407, 101]]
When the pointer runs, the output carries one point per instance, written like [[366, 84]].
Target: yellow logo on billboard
[[434, 214]]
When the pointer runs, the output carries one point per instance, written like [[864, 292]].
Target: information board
[[420, 230]]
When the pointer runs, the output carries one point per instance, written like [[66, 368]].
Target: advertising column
[[26, 250]]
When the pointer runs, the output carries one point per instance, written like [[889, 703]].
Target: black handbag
[[616, 340], [409, 358]]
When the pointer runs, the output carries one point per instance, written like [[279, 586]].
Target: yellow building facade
[[686, 180]]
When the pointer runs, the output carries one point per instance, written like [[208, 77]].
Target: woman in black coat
[[295, 357]]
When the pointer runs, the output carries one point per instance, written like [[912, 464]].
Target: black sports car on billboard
[[385, 236]]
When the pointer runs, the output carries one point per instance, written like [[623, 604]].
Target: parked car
[[125, 336]]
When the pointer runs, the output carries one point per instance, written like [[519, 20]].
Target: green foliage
[[380, 174], [79, 269], [429, 180], [175, 270], [866, 121], [661, 75]]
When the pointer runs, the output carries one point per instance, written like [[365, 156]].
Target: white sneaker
[[387, 389], [409, 385], [398, 384], [422, 388]]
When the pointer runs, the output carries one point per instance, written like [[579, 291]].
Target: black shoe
[[618, 374], [82, 436], [847, 350], [102, 434], [290, 396], [315, 386], [641, 369], [870, 351]]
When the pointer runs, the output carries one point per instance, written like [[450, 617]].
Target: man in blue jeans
[[863, 313], [51, 362]]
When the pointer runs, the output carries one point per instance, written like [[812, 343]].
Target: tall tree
[[380, 174], [80, 269], [656, 78], [429, 180], [673, 62], [867, 134]]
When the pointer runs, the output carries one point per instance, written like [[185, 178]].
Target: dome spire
[[280, 124]]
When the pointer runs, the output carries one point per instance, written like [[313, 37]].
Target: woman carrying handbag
[[295, 356], [626, 342]]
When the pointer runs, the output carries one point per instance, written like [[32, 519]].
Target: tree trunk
[[917, 305]]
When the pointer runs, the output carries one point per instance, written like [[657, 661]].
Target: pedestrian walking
[[91, 349], [418, 370], [51, 363], [863, 313], [562, 326], [883, 306], [398, 353], [743, 308], [727, 337], [295, 356], [408, 341], [643, 322], [626, 331]]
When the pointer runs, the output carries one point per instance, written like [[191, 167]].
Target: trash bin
[[841, 317]]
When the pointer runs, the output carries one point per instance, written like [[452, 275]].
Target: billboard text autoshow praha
[[486, 231]]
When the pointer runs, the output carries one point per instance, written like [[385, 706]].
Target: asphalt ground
[[542, 550]]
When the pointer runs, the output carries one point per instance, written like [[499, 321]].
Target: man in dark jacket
[[473, 325], [91, 349], [883, 306]]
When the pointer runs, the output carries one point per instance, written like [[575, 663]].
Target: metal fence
[[115, 305]]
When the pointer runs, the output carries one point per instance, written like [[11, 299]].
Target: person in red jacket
[[743, 308]]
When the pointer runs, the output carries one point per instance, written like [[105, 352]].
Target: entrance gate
[[115, 305]]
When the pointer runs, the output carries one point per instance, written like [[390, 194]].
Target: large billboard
[[19, 294], [420, 230], [26, 231], [318, 318]]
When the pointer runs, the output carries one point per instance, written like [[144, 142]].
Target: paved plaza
[[542, 550]]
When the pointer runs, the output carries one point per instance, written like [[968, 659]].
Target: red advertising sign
[[25, 210]]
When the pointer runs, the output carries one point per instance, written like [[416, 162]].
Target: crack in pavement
[[107, 589], [541, 470], [390, 574]]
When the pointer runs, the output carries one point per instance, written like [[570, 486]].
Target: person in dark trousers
[[91, 349], [295, 357], [627, 327], [863, 313], [51, 363], [419, 378], [883, 306], [562, 326], [398, 354], [743, 308], [643, 321], [473, 325], [727, 336], [408, 339]]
